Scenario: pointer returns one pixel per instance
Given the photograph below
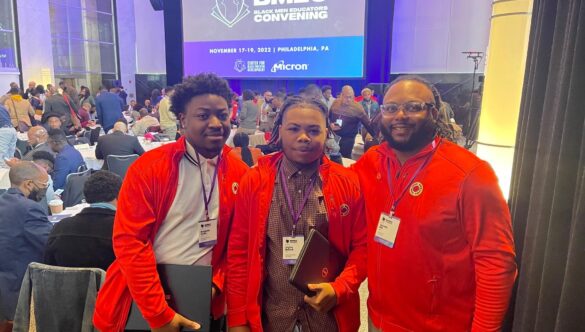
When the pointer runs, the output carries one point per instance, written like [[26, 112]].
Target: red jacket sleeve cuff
[[340, 291], [161, 319]]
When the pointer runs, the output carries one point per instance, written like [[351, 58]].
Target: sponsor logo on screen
[[230, 12], [239, 65], [282, 66]]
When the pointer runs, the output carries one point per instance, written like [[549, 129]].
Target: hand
[[239, 329], [324, 300], [335, 127], [176, 324], [213, 292]]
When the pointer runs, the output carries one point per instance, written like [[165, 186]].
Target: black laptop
[[187, 290], [318, 262]]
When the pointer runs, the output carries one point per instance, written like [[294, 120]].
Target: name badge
[[291, 248], [207, 233], [387, 230]]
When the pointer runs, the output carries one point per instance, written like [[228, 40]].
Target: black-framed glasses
[[411, 107]]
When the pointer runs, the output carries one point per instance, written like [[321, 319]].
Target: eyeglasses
[[411, 107]]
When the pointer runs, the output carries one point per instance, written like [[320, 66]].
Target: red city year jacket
[[246, 248], [452, 266], [147, 194]]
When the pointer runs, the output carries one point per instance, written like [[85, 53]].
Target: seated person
[[85, 240], [24, 229], [84, 113], [146, 121], [37, 139], [243, 152], [68, 159], [53, 121], [117, 143]]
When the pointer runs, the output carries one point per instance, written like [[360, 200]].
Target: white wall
[[429, 35], [127, 46], [36, 50], [150, 39]]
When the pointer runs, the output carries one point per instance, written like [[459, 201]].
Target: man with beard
[[440, 245], [24, 229], [169, 194]]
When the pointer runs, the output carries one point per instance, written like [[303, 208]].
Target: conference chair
[[54, 298], [73, 191], [22, 146], [17, 153], [119, 164], [94, 135]]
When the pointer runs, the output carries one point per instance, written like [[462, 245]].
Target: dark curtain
[[548, 182]]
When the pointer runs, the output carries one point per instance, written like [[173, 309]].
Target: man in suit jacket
[[24, 229], [56, 105], [109, 108], [37, 139], [68, 159], [117, 143], [85, 240]]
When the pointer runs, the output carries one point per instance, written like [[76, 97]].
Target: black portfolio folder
[[187, 290], [318, 262]]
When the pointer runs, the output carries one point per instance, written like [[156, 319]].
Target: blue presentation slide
[[274, 38]]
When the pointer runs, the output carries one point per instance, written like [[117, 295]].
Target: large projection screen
[[274, 38]]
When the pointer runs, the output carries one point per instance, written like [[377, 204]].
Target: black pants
[[346, 144]]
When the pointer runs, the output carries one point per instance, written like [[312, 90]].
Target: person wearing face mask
[[24, 229]]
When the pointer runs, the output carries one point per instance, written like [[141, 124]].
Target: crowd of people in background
[[446, 258]]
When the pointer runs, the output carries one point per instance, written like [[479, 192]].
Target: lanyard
[[296, 215], [420, 168], [206, 199]]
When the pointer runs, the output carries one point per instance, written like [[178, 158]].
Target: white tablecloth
[[68, 212], [256, 139], [4, 179], [88, 152]]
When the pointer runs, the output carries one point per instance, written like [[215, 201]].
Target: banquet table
[[257, 139], [68, 212], [4, 179], [88, 152]]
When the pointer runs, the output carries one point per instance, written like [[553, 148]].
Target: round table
[[4, 179], [88, 152]]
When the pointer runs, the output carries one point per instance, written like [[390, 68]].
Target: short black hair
[[57, 135], [102, 186], [247, 95], [325, 88], [202, 84], [43, 155], [297, 101]]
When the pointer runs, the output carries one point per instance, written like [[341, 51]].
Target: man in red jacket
[[168, 195], [440, 245], [280, 200]]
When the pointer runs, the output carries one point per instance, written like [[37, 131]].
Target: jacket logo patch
[[324, 272], [379, 176], [416, 189], [235, 188], [344, 209]]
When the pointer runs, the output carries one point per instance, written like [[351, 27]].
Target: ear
[[182, 120]]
